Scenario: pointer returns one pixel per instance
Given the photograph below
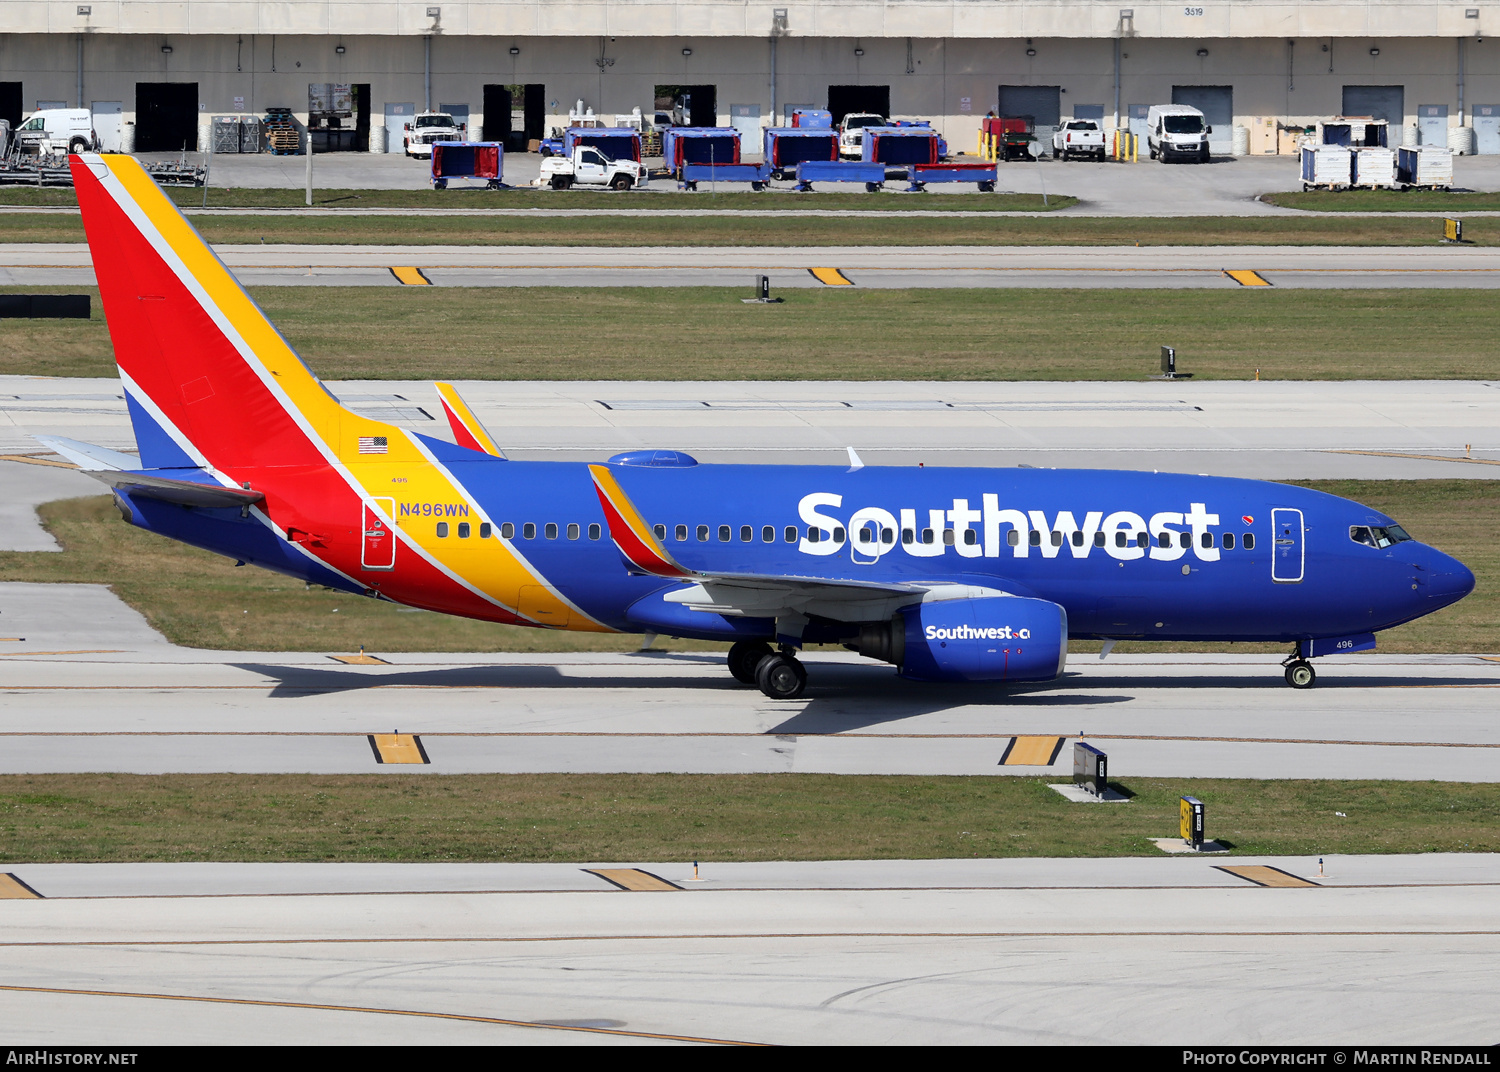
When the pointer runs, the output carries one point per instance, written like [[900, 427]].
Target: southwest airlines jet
[[949, 574]]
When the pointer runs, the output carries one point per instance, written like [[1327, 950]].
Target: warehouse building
[[155, 73]]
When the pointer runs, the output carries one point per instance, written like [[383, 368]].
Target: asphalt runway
[[1262, 430], [91, 688], [930, 952], [1052, 267]]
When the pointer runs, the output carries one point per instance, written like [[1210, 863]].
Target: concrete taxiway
[[1050, 267], [92, 688], [1263, 430], [932, 952]]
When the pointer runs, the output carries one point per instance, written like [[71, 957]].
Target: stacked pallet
[[282, 136]]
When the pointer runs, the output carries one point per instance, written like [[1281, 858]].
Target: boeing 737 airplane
[[950, 574]]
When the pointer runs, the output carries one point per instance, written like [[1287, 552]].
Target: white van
[[1177, 130], [57, 130]]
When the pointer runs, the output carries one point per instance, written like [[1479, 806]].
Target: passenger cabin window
[[768, 534], [838, 535], [1013, 537], [442, 529], [1077, 539], [528, 530], [723, 533], [1098, 539], [927, 536], [1119, 538], [887, 536], [1207, 539], [573, 531], [1229, 541], [660, 530], [551, 530], [702, 533], [1249, 541], [680, 532], [908, 536], [508, 530], [1034, 538], [485, 530], [595, 532], [1142, 539], [747, 534], [1057, 539], [1184, 540], [814, 535], [791, 534], [463, 530]]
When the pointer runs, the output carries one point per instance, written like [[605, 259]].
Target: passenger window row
[[528, 530]]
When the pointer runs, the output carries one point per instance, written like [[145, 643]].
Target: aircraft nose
[[1447, 580]]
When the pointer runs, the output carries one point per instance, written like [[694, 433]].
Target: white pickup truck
[[852, 133], [1078, 137], [589, 167], [429, 127]]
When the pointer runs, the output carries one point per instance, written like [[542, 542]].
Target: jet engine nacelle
[[998, 638]]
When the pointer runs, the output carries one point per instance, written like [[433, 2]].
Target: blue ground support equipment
[[786, 147], [813, 118], [811, 171], [900, 146], [757, 175], [700, 145], [922, 174], [616, 143], [467, 160]]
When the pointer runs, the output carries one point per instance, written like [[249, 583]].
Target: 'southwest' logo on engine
[[969, 632]]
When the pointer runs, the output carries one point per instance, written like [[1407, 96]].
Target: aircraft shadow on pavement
[[871, 696], [1269, 677]]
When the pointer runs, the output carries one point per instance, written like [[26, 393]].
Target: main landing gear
[[1299, 672], [778, 674]]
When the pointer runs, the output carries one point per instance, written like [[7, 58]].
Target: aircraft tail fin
[[467, 430], [208, 380]]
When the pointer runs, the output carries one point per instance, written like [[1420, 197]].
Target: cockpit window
[[1378, 537]]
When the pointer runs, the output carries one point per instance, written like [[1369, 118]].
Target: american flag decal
[[372, 444]]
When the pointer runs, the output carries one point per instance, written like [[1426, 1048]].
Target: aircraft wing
[[754, 594]]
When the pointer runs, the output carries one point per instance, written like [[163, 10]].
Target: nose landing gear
[[1300, 674]]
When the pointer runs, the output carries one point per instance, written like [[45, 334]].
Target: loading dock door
[[1217, 105], [1432, 125], [842, 100], [1487, 128], [10, 103], [1042, 104], [396, 118], [108, 124], [166, 117], [1379, 102]]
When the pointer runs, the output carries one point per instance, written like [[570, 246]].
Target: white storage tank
[[377, 137], [1241, 143], [1462, 140]]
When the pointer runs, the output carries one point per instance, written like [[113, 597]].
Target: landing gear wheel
[[1300, 674], [745, 656], [781, 677]]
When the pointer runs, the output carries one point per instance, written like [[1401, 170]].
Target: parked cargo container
[[786, 147], [1429, 165], [700, 145]]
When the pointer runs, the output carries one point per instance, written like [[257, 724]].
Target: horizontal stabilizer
[[88, 457]]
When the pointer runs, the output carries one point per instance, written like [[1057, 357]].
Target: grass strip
[[201, 600], [708, 333], [773, 230], [546, 200], [107, 818], [1386, 200]]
